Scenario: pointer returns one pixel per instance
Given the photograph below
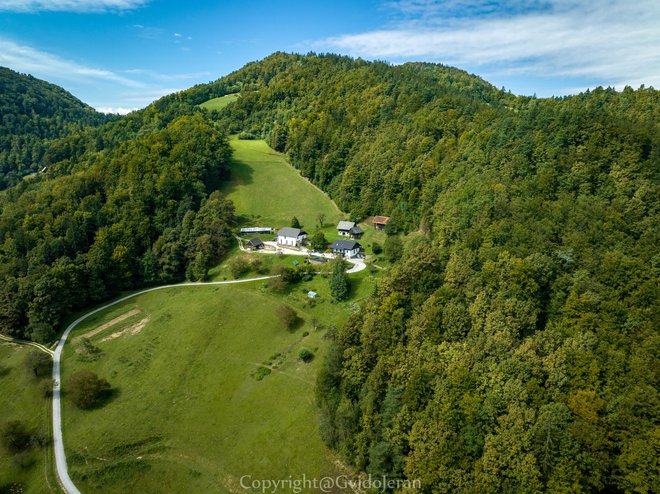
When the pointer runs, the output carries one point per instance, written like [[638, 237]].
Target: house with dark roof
[[291, 237], [255, 244], [355, 232], [344, 227], [347, 248], [349, 229], [380, 222]]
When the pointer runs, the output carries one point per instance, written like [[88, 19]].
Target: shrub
[[238, 266], [15, 436], [261, 372], [376, 248], [305, 355], [247, 136], [87, 390], [258, 266], [38, 364], [288, 316]]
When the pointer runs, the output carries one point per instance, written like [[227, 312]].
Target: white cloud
[[24, 58], [616, 42], [107, 91], [70, 5], [115, 110]]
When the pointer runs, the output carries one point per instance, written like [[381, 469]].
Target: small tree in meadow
[[238, 266], [288, 316], [87, 390], [38, 364], [319, 242], [305, 355], [339, 286], [295, 223], [15, 436]]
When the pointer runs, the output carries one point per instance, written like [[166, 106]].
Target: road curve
[[58, 443]]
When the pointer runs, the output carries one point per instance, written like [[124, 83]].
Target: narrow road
[[29, 343], [58, 443]]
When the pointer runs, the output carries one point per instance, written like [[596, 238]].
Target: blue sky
[[119, 55]]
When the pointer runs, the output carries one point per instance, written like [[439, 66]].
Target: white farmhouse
[[291, 237], [347, 248]]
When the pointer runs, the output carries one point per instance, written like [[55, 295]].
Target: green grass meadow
[[207, 384], [188, 413], [21, 398], [268, 191], [220, 103]]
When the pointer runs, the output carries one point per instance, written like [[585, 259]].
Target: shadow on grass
[[105, 399], [240, 173]]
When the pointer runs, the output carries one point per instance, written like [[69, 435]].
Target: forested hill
[[33, 112], [130, 203], [514, 348]]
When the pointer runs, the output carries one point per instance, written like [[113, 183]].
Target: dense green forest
[[513, 348], [139, 210], [32, 114]]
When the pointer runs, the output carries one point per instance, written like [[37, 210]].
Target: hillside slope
[[33, 113], [512, 349]]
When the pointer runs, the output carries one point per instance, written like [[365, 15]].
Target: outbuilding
[[255, 230], [255, 244], [380, 222]]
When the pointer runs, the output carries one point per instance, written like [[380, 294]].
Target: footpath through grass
[[22, 398], [189, 412]]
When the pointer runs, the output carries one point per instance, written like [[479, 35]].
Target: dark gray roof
[[289, 232], [345, 245], [345, 225], [255, 242], [356, 230]]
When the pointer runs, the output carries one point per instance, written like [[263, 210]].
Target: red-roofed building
[[380, 222]]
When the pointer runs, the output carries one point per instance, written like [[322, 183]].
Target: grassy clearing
[[21, 398], [220, 103], [268, 191], [193, 407]]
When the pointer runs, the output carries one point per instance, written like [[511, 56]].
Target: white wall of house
[[290, 241], [348, 253]]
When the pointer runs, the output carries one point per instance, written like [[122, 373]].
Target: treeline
[[514, 347], [32, 114], [143, 211]]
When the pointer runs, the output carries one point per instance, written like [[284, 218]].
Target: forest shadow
[[240, 173]]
